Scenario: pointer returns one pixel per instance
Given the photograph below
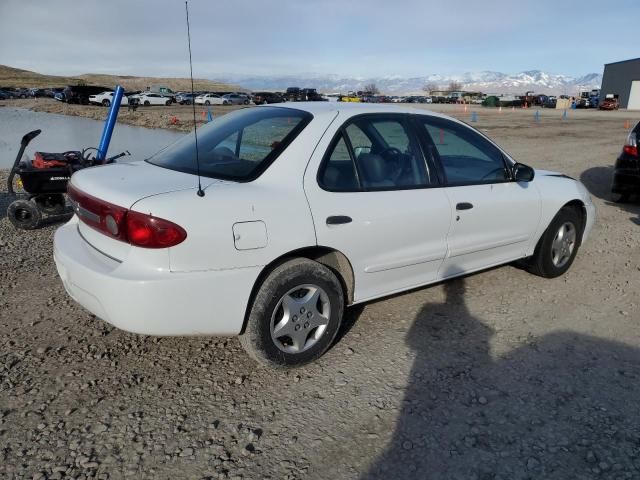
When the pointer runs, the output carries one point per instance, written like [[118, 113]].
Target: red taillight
[[136, 228], [153, 232], [631, 145]]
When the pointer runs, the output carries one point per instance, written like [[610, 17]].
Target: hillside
[[485, 81], [15, 77]]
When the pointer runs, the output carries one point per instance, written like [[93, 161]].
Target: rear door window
[[374, 152]]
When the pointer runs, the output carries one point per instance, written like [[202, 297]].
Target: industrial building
[[623, 79]]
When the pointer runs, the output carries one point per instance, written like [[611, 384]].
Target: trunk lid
[[124, 184]]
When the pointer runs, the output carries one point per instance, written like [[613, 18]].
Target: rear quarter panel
[[276, 198]]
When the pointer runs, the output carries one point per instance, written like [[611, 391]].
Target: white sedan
[[105, 99], [210, 99], [150, 98], [304, 210]]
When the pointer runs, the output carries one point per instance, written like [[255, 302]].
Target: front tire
[[559, 244], [147, 103], [295, 315], [207, 103], [106, 103]]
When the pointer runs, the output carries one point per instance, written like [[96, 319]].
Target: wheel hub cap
[[300, 318], [563, 244]]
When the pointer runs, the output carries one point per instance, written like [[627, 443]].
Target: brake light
[[631, 145], [153, 232], [135, 228]]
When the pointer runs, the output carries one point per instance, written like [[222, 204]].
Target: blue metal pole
[[110, 123]]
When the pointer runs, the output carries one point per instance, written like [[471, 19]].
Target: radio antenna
[[193, 103]]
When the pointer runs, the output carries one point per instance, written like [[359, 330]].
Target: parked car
[[263, 98], [292, 94], [81, 93], [285, 235], [610, 102], [626, 173], [105, 99], [185, 98], [236, 99], [148, 99], [4, 95], [211, 99]]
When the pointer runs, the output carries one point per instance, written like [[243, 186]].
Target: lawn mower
[[44, 179]]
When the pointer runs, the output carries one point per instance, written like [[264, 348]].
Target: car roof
[[354, 108]]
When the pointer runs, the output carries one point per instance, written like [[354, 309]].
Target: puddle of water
[[61, 133]]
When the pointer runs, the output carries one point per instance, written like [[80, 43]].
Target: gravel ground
[[500, 375]]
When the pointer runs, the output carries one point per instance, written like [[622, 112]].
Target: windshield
[[237, 146]]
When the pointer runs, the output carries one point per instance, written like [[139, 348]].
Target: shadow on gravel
[[563, 406], [598, 182]]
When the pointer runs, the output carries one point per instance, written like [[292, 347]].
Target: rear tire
[[558, 246], [24, 214], [207, 103], [295, 314], [168, 103]]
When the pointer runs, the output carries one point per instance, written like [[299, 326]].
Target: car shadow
[[562, 406], [598, 182]]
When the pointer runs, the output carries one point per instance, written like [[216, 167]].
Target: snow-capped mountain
[[485, 81]]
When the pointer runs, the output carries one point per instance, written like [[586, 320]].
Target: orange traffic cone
[[499, 109], [626, 125]]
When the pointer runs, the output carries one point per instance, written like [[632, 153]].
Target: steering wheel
[[493, 172], [393, 156]]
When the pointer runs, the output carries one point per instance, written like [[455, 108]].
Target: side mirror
[[523, 173]]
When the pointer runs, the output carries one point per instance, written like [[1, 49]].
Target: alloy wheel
[[563, 244], [300, 318]]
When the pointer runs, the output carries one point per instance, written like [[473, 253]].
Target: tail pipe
[[110, 123]]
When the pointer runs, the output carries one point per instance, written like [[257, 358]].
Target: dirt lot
[[501, 375]]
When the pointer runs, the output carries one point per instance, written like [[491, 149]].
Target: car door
[[493, 217], [372, 196]]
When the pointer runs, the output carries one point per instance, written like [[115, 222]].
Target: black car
[[626, 174], [263, 98]]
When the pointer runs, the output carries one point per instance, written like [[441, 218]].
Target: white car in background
[[210, 99], [150, 98], [305, 209], [105, 99]]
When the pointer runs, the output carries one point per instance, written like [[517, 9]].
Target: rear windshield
[[237, 146]]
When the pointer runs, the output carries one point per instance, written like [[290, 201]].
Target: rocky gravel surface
[[500, 375]]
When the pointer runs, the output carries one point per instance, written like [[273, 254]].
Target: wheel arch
[[331, 258], [578, 205], [581, 209]]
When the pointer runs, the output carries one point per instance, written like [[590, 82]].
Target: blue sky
[[351, 38]]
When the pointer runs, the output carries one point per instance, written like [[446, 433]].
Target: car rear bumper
[[148, 301]]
